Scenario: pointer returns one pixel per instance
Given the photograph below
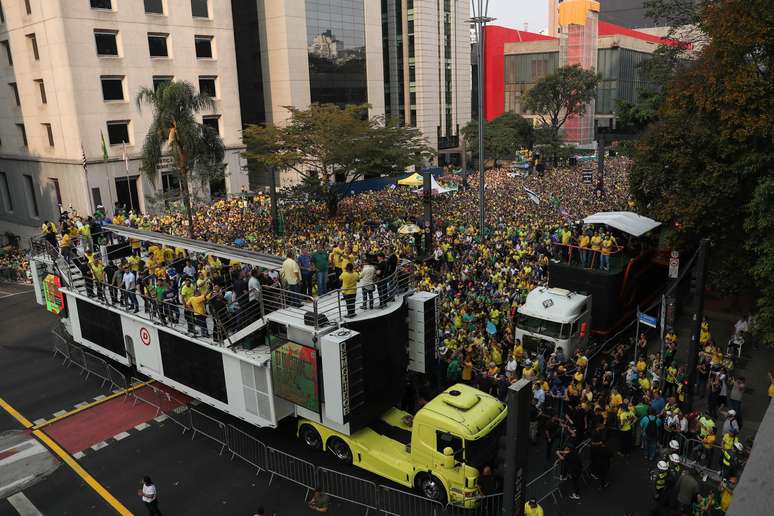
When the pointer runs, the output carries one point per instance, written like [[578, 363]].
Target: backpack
[[651, 429]]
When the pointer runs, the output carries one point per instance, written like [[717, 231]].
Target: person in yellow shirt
[[197, 303], [532, 508], [626, 419], [608, 247], [349, 279], [596, 248], [771, 384], [98, 271]]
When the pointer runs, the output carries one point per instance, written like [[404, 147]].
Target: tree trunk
[[332, 202], [186, 194]]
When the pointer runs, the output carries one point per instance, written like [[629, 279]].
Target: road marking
[[78, 455], [15, 294], [122, 435], [12, 411], [39, 421], [23, 505], [97, 398], [142, 426], [81, 404], [65, 413], [96, 486], [24, 450], [7, 487], [99, 446], [161, 418]]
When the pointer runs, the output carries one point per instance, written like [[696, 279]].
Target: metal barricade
[[348, 488], [147, 394], [61, 347], [209, 427], [546, 485], [77, 356], [97, 367], [247, 448], [403, 503], [485, 506], [116, 378], [290, 468]]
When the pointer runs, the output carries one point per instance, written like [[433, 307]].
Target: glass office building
[[337, 58]]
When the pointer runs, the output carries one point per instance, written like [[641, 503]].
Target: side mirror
[[448, 458]]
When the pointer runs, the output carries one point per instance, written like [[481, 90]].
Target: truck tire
[[431, 487], [310, 437], [340, 450]]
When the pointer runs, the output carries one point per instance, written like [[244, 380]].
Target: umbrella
[[407, 229]]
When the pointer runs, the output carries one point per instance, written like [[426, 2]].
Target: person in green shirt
[[320, 264], [161, 292]]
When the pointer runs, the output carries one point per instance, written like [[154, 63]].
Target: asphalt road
[[191, 477]]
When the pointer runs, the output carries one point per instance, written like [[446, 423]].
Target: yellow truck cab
[[439, 451]]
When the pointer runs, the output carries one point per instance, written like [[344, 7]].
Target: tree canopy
[[330, 146], [504, 137], [704, 165], [196, 149]]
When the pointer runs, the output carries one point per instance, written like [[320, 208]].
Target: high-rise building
[[70, 71], [626, 13]]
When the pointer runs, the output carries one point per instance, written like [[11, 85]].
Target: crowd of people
[[618, 405], [14, 265]]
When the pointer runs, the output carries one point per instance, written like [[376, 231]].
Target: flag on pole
[[83, 155], [532, 196], [105, 154]]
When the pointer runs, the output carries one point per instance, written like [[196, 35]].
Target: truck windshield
[[541, 326], [481, 452]]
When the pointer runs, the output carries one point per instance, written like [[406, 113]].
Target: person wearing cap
[[661, 481], [532, 508], [731, 423], [729, 459]]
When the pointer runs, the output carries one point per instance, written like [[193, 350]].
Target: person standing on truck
[[349, 279], [533, 508], [596, 248]]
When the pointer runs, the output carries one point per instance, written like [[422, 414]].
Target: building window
[[97, 196], [34, 44], [22, 133], [157, 45], [2, 14], [158, 80], [28, 6], [5, 190], [118, 132], [7, 47], [107, 42], [32, 199], [15, 92], [154, 7], [42, 88], [203, 47], [200, 8], [49, 133], [102, 4], [55, 185], [213, 122], [112, 87], [207, 86]]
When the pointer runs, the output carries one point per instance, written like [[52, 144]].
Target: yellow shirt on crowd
[[349, 282]]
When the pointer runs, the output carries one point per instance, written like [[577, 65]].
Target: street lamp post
[[480, 9]]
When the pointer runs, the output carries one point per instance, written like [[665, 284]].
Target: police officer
[[730, 460], [661, 481]]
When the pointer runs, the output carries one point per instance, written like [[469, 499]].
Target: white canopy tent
[[435, 187], [626, 221]]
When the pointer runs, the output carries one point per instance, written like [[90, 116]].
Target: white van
[[554, 318]]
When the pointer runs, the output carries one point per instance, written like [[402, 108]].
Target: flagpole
[[128, 184], [86, 177]]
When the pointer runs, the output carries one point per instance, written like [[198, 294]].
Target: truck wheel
[[431, 487], [311, 437], [340, 450]]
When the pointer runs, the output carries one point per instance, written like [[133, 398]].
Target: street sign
[[648, 320], [587, 176], [674, 265]]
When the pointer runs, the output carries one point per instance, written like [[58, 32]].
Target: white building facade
[[70, 71]]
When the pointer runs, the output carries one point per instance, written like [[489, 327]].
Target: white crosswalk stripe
[[23, 505]]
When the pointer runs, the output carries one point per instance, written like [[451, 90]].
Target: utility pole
[[480, 19], [698, 316], [601, 160]]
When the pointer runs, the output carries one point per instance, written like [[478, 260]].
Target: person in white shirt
[[129, 283], [149, 496], [367, 280]]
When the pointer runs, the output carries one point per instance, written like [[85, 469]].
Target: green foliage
[[705, 165], [504, 137], [330, 146], [197, 150]]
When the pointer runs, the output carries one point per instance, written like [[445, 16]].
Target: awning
[[625, 221], [414, 179], [265, 261], [435, 187]]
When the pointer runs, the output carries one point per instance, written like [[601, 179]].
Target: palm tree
[[196, 149]]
